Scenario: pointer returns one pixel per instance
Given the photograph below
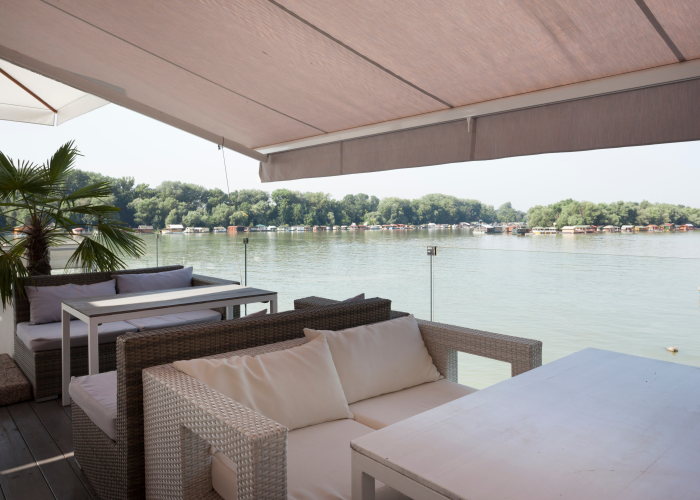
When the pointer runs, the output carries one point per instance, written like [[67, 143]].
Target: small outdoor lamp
[[432, 252]]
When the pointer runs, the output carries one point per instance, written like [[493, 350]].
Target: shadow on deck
[[36, 454]]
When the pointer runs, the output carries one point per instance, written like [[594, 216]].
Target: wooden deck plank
[[59, 475], [55, 418], [66, 409], [20, 477]]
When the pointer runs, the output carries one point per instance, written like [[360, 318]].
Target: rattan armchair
[[43, 368], [116, 469], [184, 418]]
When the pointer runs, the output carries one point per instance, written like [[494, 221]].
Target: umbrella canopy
[[31, 98], [361, 86]]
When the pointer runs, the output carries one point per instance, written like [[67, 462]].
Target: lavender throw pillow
[[131, 283], [45, 301]]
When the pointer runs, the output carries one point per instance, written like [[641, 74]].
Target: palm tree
[[36, 198]]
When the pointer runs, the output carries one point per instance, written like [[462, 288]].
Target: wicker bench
[[116, 468], [185, 418], [43, 368]]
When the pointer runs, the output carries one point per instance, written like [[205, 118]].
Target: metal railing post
[[245, 267], [432, 252]]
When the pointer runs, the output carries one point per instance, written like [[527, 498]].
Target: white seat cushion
[[380, 358], [97, 397], [47, 336], [295, 387], [178, 319], [387, 409], [318, 462]]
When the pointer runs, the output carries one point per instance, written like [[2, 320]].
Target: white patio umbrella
[[31, 98]]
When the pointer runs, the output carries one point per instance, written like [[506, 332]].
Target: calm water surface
[[632, 293]]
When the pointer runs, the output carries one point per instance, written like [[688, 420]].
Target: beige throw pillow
[[377, 359], [295, 387]]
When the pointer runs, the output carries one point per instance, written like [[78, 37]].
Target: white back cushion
[[295, 387], [377, 359], [45, 301], [146, 282]]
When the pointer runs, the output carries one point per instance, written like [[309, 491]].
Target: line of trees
[[192, 205], [572, 213]]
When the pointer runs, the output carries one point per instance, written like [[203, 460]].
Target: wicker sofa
[[186, 421], [116, 468], [43, 368]]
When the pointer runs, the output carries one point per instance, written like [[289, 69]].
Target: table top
[[595, 424], [106, 305]]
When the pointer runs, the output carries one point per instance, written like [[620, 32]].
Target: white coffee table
[[593, 425], [106, 309]]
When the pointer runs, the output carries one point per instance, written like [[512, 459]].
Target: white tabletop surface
[[594, 425]]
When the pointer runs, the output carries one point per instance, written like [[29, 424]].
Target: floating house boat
[[145, 229], [219, 229], [544, 230], [484, 229], [583, 229], [175, 229], [611, 229], [627, 229]]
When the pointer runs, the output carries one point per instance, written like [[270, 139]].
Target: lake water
[[632, 293]]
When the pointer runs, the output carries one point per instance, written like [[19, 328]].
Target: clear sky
[[119, 142]]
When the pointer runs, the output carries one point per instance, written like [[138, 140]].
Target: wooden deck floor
[[36, 454]]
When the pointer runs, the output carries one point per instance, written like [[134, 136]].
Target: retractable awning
[[353, 86]]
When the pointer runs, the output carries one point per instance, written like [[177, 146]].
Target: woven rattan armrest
[[314, 301], [183, 418], [444, 341]]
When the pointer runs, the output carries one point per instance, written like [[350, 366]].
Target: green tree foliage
[[621, 213], [193, 205]]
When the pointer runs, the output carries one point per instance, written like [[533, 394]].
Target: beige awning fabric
[[654, 115], [355, 86], [31, 98]]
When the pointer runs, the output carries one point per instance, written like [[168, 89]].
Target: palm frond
[[20, 178], [100, 189], [93, 256], [60, 164], [12, 271]]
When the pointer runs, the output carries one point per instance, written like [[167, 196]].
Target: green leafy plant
[[37, 205]]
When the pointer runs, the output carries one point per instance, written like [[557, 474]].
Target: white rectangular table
[[593, 425], [110, 308]]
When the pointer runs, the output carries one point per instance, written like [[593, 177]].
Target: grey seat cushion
[[97, 397], [47, 336], [178, 319], [387, 409]]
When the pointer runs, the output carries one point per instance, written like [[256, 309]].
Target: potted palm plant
[[39, 212]]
